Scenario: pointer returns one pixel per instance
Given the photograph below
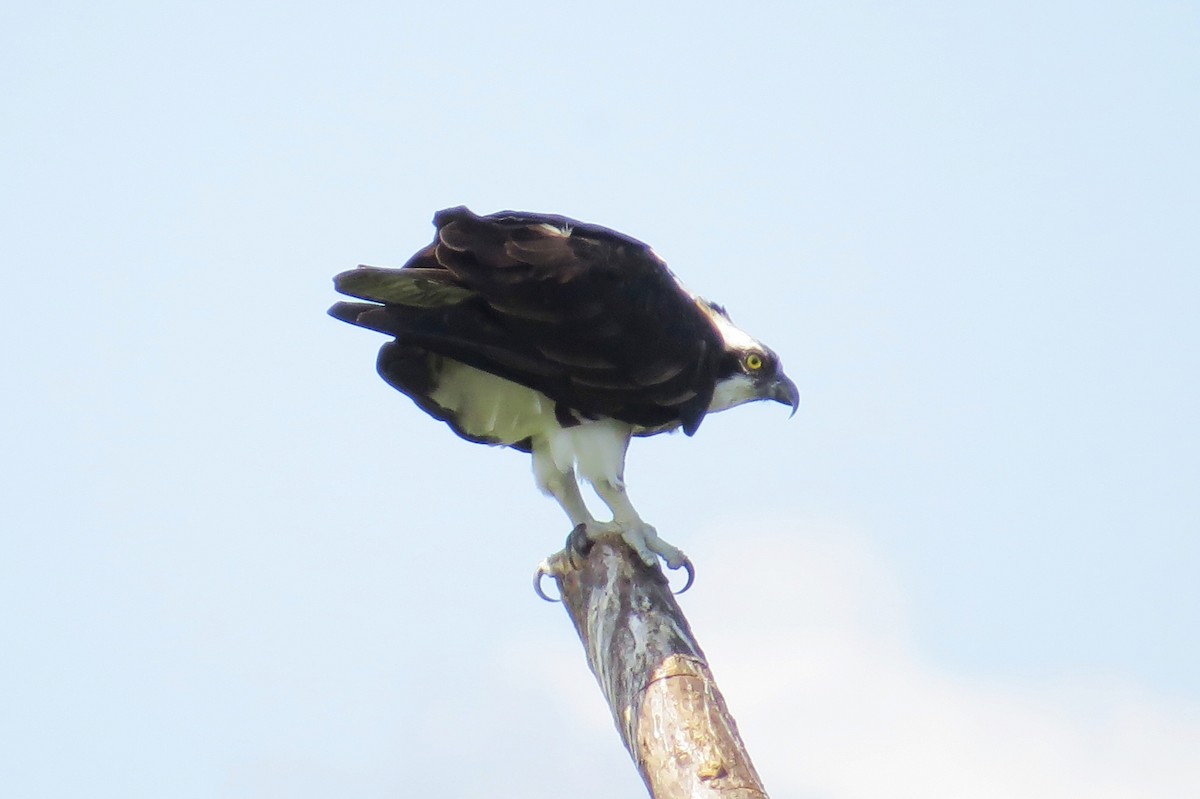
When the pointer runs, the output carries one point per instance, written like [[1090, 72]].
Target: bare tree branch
[[663, 698]]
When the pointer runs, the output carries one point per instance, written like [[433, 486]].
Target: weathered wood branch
[[666, 705]]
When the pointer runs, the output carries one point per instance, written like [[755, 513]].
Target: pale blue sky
[[237, 564]]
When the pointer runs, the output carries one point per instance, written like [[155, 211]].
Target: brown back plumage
[[589, 317]]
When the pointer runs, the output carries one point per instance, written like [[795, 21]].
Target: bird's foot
[[645, 541]]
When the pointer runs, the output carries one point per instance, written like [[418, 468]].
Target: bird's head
[[749, 370]]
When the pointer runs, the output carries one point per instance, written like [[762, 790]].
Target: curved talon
[[691, 575], [543, 569]]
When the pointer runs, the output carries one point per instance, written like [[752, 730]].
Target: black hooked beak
[[784, 390]]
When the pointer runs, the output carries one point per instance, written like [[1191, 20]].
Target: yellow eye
[[754, 362]]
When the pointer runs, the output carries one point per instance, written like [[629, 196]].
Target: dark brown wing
[[589, 317]]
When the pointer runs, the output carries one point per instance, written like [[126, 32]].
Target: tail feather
[[368, 315]]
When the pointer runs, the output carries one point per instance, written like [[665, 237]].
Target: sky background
[[236, 564]]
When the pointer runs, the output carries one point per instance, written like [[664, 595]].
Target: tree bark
[[666, 705]]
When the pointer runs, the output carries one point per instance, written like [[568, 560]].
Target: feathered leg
[[560, 484], [599, 449]]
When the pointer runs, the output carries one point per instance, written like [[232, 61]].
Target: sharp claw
[[691, 574], [543, 569]]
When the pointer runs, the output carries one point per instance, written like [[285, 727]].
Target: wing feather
[[417, 287]]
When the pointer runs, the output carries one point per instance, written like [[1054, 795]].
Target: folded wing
[[590, 318]]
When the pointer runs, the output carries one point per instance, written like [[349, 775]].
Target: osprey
[[561, 339]]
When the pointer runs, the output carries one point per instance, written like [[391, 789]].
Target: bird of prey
[[562, 339]]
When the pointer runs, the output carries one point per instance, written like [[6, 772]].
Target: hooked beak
[[785, 391]]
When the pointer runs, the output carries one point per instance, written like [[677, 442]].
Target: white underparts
[[488, 406], [597, 448], [595, 451]]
